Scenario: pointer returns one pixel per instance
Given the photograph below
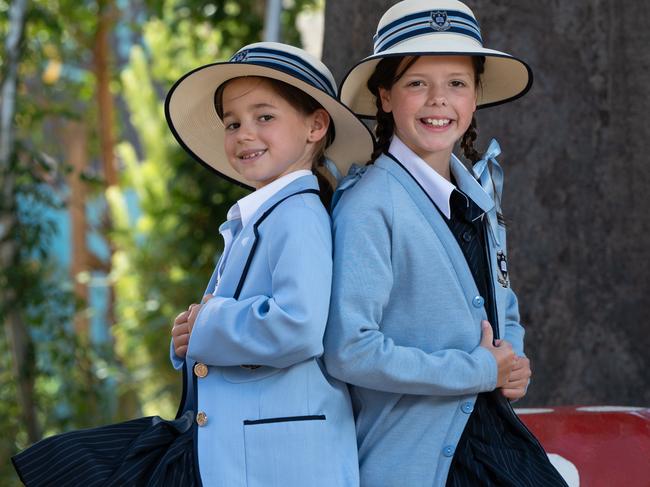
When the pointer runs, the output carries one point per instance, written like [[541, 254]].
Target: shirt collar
[[246, 207], [437, 187]]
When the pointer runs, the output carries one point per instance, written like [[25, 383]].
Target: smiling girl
[[423, 323], [267, 414]]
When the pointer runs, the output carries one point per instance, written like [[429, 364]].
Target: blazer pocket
[[289, 452]]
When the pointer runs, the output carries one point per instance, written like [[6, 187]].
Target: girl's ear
[[384, 96], [319, 123]]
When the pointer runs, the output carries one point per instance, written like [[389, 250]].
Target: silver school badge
[[439, 21], [240, 57], [502, 269]]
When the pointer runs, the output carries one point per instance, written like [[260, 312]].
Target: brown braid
[[470, 135], [467, 142], [326, 181], [385, 76], [384, 130]]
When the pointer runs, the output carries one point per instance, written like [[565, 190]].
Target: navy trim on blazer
[[287, 419], [181, 406], [256, 233]]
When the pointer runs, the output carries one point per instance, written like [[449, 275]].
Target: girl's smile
[[432, 105]]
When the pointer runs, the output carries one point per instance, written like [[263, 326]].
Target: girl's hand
[[183, 325], [517, 383], [502, 352], [181, 333]]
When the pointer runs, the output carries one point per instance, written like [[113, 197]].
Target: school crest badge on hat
[[240, 57], [435, 28], [440, 21]]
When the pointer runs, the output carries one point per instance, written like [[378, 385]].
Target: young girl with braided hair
[[423, 323]]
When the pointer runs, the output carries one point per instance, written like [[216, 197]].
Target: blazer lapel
[[243, 243]]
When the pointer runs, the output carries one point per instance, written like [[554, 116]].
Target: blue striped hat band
[[428, 22], [287, 63]]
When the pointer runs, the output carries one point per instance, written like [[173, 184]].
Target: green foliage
[[43, 297], [42, 294]]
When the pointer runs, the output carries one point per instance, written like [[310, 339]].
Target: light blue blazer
[[281, 421], [404, 324]]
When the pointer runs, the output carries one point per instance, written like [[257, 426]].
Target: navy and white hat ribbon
[[489, 174], [290, 64], [432, 28], [425, 23]]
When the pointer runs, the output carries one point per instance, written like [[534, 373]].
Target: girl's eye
[[232, 126], [416, 83], [458, 83], [266, 118]]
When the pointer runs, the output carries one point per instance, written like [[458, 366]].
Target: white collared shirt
[[246, 207], [436, 186]]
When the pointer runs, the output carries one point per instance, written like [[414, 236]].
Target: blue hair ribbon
[[489, 174]]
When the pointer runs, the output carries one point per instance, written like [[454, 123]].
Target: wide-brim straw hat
[[435, 27], [193, 119]]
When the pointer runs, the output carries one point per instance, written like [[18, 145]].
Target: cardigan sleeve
[[356, 350], [286, 326]]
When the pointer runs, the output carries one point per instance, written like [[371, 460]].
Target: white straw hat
[[435, 27], [192, 116]]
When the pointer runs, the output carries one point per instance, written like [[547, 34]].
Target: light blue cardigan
[[404, 325], [285, 423]]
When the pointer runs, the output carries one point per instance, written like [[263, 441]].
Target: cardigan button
[[467, 236], [200, 370], [467, 407], [478, 301], [448, 451], [201, 418]]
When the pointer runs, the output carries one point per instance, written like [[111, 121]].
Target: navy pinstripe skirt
[[497, 450], [142, 452]]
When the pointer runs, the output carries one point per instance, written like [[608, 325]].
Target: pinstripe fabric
[[495, 449], [142, 452]]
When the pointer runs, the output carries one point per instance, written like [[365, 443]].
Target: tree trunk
[[17, 334], [75, 138], [102, 63], [576, 192]]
